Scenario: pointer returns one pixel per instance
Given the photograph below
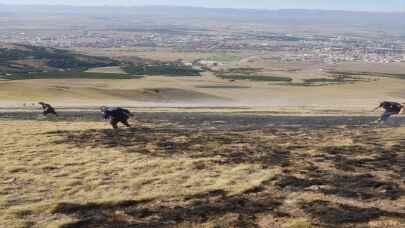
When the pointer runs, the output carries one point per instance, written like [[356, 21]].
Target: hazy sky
[[363, 5]]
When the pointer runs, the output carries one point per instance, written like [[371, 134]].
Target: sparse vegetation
[[233, 171], [298, 223], [335, 79], [256, 78], [249, 74], [12, 60], [225, 57], [31, 62], [222, 87], [370, 74], [68, 75], [167, 69], [244, 70]]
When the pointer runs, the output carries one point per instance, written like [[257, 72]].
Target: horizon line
[[205, 7]]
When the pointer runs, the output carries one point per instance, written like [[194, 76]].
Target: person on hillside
[[116, 115], [391, 108], [47, 109]]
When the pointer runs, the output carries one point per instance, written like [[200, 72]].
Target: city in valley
[[177, 116]]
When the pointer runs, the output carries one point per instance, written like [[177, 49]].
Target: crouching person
[[116, 115], [47, 109], [390, 109]]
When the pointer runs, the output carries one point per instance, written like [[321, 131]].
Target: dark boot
[[114, 123], [125, 122]]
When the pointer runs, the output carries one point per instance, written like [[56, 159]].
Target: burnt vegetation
[[314, 166]]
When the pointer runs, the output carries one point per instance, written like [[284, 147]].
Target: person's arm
[[106, 115], [402, 110], [48, 107], [377, 108]]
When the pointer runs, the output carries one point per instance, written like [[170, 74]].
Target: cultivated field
[[201, 170]]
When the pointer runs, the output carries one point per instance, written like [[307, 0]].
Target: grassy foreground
[[200, 172]]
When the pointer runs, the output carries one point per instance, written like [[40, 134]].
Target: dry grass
[[160, 54], [138, 92], [39, 174], [107, 70], [174, 174], [213, 91], [84, 91]]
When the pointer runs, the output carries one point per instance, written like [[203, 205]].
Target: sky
[[352, 5]]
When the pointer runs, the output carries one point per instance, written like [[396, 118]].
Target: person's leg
[[114, 123], [125, 122], [385, 116]]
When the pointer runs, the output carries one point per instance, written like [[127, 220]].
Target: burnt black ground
[[342, 171]]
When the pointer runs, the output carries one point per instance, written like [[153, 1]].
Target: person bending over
[[391, 108], [116, 115], [47, 109]]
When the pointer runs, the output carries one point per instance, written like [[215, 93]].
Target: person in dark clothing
[[116, 115], [391, 108], [48, 109]]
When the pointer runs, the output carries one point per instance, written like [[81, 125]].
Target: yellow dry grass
[[200, 91], [37, 174], [162, 173], [107, 70], [159, 54], [83, 92], [210, 90]]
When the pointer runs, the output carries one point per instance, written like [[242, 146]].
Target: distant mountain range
[[373, 20], [187, 18]]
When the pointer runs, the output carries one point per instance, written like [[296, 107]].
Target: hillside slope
[[26, 59]]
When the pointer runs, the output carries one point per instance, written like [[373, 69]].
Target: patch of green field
[[68, 75], [321, 80], [256, 78], [248, 73], [167, 69], [242, 70], [222, 87], [54, 59], [334, 79], [225, 57], [370, 74]]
